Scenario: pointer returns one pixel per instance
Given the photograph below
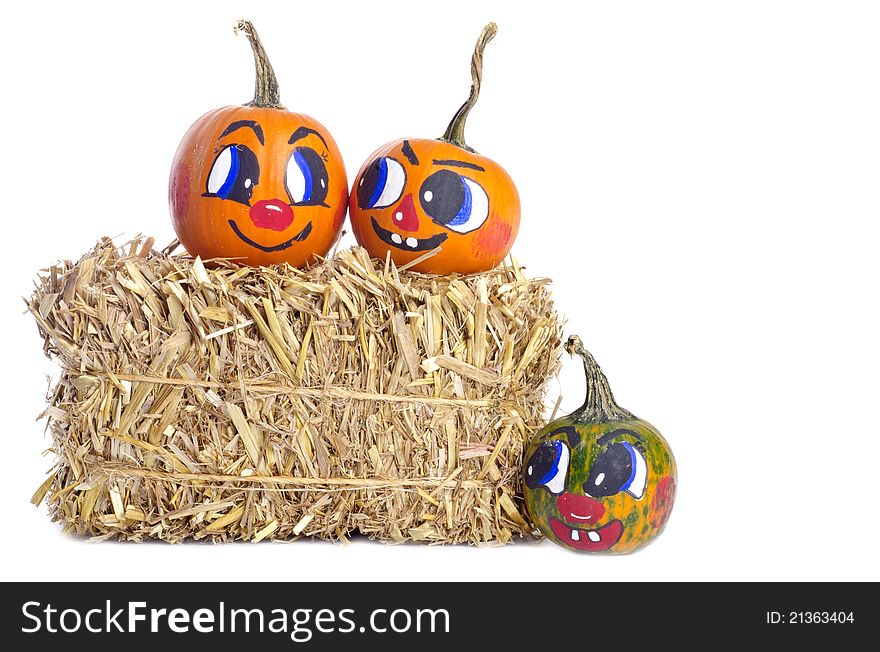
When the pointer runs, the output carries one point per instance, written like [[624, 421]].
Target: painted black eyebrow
[[458, 164], [571, 433], [604, 439], [239, 124], [409, 153], [302, 132]]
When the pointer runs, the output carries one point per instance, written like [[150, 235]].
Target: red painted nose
[[580, 509], [404, 215], [271, 214]]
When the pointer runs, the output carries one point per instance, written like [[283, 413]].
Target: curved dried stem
[[599, 405], [455, 131], [266, 93]]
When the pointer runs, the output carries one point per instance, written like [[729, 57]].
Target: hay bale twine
[[229, 402]]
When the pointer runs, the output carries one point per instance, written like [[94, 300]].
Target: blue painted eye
[[453, 201], [234, 174], [621, 467], [381, 183], [548, 467], [635, 484], [306, 177]]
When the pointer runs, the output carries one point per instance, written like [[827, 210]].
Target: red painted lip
[[271, 214], [602, 537]]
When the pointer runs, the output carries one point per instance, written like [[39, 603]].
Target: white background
[[700, 179]]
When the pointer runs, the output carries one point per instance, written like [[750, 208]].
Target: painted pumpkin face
[[414, 195], [417, 196], [261, 184], [258, 183], [600, 487], [599, 479]]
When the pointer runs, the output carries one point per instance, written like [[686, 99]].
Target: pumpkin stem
[[599, 405], [266, 94], [455, 131]]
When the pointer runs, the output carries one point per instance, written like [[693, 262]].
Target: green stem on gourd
[[455, 131], [599, 405], [266, 94]]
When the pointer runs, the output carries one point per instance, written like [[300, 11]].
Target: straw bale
[[222, 402]]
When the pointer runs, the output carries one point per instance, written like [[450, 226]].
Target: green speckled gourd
[[599, 479]]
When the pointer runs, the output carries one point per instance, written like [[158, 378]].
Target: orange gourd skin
[[212, 227], [478, 250]]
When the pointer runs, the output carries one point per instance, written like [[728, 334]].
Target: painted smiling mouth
[[299, 237], [590, 540], [410, 243]]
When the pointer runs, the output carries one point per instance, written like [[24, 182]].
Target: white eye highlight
[[295, 179], [305, 177], [220, 172], [381, 184], [639, 478], [555, 481], [395, 180]]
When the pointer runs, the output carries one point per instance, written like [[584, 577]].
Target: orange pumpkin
[[437, 202], [257, 182]]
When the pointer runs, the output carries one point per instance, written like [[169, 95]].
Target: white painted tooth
[[575, 535], [397, 239], [594, 536], [412, 242]]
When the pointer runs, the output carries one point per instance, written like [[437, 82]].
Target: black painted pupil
[[612, 469], [317, 193], [442, 196], [248, 176], [367, 186], [542, 461]]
